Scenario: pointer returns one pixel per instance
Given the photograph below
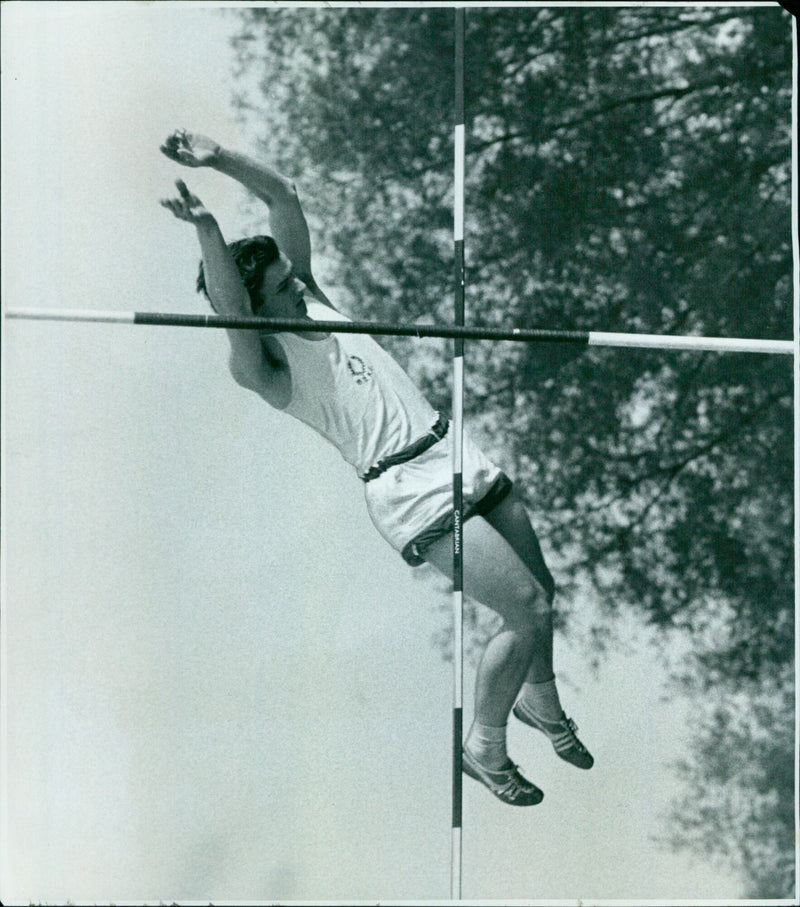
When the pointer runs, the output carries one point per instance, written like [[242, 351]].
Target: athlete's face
[[281, 291]]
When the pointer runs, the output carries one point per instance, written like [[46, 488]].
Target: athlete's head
[[252, 256], [281, 291]]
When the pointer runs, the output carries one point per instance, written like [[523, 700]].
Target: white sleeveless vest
[[353, 393]]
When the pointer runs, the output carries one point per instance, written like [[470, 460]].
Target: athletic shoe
[[562, 734], [507, 784]]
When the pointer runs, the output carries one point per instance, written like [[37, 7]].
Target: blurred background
[[219, 683]]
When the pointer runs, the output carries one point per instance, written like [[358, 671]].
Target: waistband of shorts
[[437, 432]]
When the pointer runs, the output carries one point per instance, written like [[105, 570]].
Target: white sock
[[488, 745], [541, 699]]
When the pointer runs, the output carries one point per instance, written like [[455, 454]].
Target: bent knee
[[530, 602], [540, 590]]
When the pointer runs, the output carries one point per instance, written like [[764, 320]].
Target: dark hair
[[252, 256]]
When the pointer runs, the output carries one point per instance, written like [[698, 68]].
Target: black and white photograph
[[399, 453]]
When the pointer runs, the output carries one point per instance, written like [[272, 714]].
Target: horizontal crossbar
[[378, 328]]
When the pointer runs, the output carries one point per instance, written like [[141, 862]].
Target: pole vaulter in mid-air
[[351, 391]]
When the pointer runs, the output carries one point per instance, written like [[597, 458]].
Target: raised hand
[[187, 207], [191, 149]]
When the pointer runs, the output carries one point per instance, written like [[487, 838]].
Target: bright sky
[[219, 681]]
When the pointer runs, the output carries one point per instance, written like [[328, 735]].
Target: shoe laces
[[516, 786], [573, 729]]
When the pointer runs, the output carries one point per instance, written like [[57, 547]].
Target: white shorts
[[411, 504]]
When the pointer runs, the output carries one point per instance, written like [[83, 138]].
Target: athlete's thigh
[[510, 519], [494, 574]]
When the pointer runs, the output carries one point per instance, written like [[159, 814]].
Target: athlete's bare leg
[[504, 569], [496, 576], [539, 704], [510, 519]]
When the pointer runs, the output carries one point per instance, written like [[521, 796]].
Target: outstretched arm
[[249, 364], [287, 222]]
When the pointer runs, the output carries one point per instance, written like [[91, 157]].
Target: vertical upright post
[[458, 441]]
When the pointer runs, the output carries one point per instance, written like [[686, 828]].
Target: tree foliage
[[627, 169], [726, 788]]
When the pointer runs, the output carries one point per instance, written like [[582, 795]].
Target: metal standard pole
[[378, 328], [458, 441]]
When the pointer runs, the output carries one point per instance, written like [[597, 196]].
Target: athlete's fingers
[[184, 190], [177, 208], [188, 198]]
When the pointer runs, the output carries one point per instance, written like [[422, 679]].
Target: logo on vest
[[359, 369]]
